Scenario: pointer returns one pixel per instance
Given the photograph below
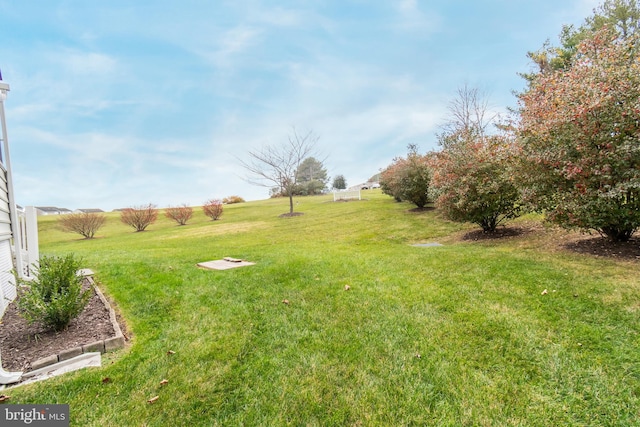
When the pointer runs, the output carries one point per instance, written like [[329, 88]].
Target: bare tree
[[84, 223], [469, 115], [277, 165], [180, 214], [213, 208], [139, 217]]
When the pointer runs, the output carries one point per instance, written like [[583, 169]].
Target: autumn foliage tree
[[213, 208], [580, 131], [408, 178], [180, 214], [139, 217], [84, 223], [472, 180]]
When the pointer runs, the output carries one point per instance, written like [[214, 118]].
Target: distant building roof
[[48, 208], [89, 210]]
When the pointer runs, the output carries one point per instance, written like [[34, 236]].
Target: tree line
[[571, 148]]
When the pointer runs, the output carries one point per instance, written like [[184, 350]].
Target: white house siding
[[5, 213], [7, 281]]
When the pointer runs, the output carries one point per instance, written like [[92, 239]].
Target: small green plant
[[55, 296]]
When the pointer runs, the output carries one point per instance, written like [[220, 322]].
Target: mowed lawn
[[447, 336]]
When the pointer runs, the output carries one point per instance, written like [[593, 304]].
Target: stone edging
[[103, 346]]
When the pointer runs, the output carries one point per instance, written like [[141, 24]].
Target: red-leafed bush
[[579, 132], [408, 179], [213, 208], [473, 180]]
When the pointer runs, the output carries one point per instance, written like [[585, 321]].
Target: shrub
[[213, 209], [85, 224], [408, 179], [579, 133], [139, 217], [473, 180], [55, 296], [232, 199], [180, 214]]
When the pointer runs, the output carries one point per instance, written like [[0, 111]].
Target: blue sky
[[124, 103]]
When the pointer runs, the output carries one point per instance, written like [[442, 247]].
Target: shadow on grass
[[291, 214], [424, 209]]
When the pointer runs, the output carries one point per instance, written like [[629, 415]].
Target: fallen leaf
[[544, 292], [164, 382], [285, 301], [153, 399], [170, 352], [106, 380], [4, 398], [347, 287]]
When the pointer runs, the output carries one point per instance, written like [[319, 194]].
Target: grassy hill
[[459, 334]]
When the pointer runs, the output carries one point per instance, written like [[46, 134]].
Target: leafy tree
[[621, 16], [139, 217], [279, 165], [408, 179], [339, 182], [311, 177], [579, 129], [213, 208], [83, 223], [180, 214]]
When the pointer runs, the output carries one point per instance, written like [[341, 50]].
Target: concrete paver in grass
[[427, 245], [225, 264]]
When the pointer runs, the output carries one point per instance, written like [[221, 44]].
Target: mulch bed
[[574, 242], [601, 247], [500, 233], [22, 343]]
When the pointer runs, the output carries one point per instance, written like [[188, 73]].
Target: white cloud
[[412, 18], [83, 63]]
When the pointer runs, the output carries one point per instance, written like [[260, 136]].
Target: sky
[[125, 103]]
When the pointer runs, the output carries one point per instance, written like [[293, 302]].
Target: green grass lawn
[[447, 336]]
